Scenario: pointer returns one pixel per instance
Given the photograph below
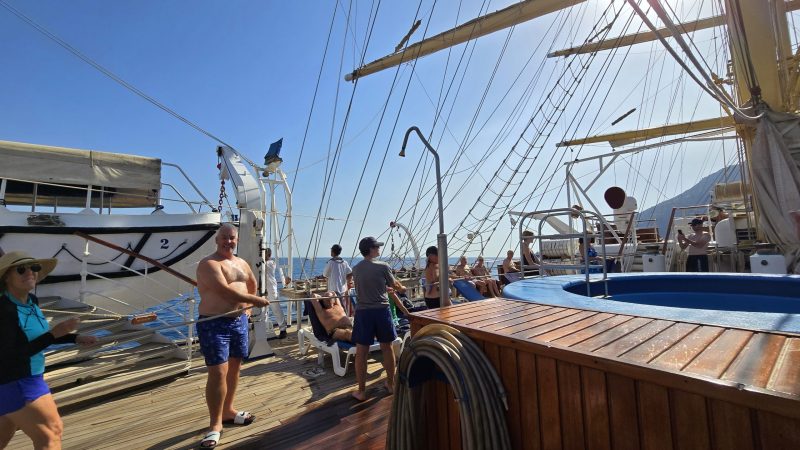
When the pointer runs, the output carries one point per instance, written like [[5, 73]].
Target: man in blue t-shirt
[[373, 319]]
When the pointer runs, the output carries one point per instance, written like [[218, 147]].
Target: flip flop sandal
[[242, 418], [313, 373], [211, 436]]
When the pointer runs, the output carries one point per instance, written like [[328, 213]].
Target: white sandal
[[211, 436]]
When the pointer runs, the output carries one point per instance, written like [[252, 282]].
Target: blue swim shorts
[[223, 338], [16, 394], [373, 323]]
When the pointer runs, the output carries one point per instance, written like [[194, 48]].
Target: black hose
[[476, 386]]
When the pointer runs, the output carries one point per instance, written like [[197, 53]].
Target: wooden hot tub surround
[[577, 378]]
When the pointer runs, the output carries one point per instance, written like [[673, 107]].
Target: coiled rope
[[478, 391]]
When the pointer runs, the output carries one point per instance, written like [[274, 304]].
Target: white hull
[[178, 241]]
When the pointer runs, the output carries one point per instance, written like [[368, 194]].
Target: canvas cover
[[776, 180], [127, 180]]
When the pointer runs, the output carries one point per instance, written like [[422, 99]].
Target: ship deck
[[293, 408], [575, 378]]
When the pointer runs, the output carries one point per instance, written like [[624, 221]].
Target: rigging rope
[[710, 87], [53, 37], [374, 140], [329, 179], [550, 120]]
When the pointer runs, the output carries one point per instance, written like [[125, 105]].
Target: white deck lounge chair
[[313, 337]]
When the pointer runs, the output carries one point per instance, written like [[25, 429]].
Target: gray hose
[[478, 391]]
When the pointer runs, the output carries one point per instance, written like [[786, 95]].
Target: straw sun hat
[[13, 259]]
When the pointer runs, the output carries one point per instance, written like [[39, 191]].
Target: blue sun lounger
[[467, 290]]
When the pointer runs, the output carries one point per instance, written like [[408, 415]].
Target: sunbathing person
[[510, 269], [480, 270], [332, 316], [529, 260], [462, 270]]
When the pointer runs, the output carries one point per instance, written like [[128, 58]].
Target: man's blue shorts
[[16, 394], [223, 338], [371, 324]]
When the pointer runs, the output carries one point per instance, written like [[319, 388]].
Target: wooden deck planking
[[633, 339], [659, 343], [685, 350], [565, 322], [612, 334], [574, 327], [756, 360], [511, 379], [588, 379], [786, 376], [554, 403], [690, 417], [589, 332], [499, 319], [549, 414], [717, 357], [595, 407], [528, 316], [570, 404], [173, 415], [654, 417], [622, 412], [529, 413], [520, 330], [725, 416]]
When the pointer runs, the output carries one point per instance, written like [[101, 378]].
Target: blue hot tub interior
[[767, 302]]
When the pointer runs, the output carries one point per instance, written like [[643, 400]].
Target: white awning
[[126, 180]]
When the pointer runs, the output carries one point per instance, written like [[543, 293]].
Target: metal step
[[75, 352], [79, 372], [122, 379]]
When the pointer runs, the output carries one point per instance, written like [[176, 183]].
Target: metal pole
[[441, 238]]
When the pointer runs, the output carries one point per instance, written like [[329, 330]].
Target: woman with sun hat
[[25, 399]]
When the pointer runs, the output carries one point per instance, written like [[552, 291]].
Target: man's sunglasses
[[35, 268]]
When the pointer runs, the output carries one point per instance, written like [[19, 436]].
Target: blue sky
[[246, 71]]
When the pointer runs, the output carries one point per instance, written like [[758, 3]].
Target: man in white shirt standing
[[272, 293], [340, 276]]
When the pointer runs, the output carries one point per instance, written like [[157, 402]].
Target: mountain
[[699, 194]]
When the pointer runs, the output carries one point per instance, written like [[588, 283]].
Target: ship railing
[[188, 299], [134, 310], [188, 180], [584, 267], [91, 190]]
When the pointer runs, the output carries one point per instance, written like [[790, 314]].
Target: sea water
[[173, 311]]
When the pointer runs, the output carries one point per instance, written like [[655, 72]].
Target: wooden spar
[[649, 36], [637, 38], [629, 137], [481, 26], [137, 255]]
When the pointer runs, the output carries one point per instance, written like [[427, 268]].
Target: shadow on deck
[[337, 423]]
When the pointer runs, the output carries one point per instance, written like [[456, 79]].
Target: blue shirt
[[33, 324]]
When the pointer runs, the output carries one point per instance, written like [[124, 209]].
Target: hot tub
[[753, 301]]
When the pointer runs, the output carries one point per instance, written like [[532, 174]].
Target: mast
[[761, 51]]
